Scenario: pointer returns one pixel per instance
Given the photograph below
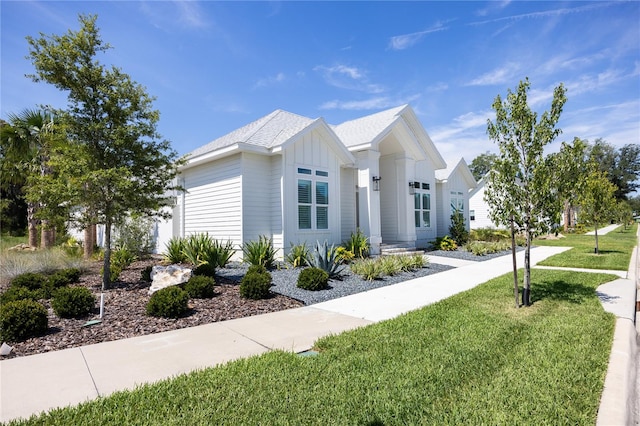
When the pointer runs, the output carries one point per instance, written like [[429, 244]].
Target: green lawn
[[470, 359], [615, 249], [7, 241]]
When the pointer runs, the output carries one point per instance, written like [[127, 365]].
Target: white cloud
[[270, 81], [368, 104], [350, 78], [497, 76], [405, 41], [547, 13]]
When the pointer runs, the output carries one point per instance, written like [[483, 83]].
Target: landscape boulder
[[167, 276]]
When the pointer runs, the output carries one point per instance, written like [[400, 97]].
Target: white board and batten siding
[[348, 212], [213, 200], [455, 183], [310, 152], [480, 209], [425, 173]]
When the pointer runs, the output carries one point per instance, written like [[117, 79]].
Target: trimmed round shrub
[[30, 280], [255, 285], [145, 275], [200, 287], [65, 276], [18, 293], [22, 319], [257, 269], [206, 269], [169, 302], [73, 302], [313, 279]]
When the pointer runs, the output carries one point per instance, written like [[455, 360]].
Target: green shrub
[[260, 252], [458, 229], [30, 280], [169, 302], [368, 269], [445, 243], [123, 257], [324, 257], [19, 293], [481, 248], [489, 234], [298, 255], [313, 279], [255, 285], [145, 274], [135, 235], [257, 269], [205, 269], [200, 287], [73, 302], [343, 255], [412, 262], [358, 244], [174, 251], [22, 319], [65, 277]]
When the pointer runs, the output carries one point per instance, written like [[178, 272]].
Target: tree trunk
[[567, 216], [32, 224], [526, 292], [48, 235], [596, 232], [106, 275], [89, 241], [515, 264]]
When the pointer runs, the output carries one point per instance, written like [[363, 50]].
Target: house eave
[[224, 152]]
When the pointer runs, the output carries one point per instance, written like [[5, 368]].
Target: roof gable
[[460, 168]]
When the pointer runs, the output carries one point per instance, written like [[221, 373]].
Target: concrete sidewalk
[[30, 385], [604, 231]]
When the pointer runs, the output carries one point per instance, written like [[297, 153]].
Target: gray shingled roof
[[366, 129], [269, 131]]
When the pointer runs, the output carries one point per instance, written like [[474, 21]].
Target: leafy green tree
[[624, 214], [597, 201], [522, 191], [26, 142], [481, 165], [115, 163], [569, 169], [458, 229], [622, 165]]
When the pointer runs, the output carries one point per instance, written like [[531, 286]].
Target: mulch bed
[[125, 316]]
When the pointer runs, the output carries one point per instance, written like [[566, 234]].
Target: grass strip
[[614, 250], [469, 359]]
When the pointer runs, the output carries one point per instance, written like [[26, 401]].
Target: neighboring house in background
[[479, 209], [452, 186], [300, 180]]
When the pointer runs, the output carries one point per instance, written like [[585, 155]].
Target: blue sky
[[216, 66]]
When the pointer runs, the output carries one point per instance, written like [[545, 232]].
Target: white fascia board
[[223, 152]]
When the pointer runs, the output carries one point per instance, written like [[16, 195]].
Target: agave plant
[[324, 257]]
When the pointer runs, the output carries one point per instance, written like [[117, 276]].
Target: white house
[[296, 179], [453, 185]]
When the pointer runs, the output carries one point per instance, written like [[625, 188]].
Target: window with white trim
[[457, 202], [422, 205], [472, 215], [313, 199]]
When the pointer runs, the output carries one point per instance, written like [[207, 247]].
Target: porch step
[[404, 249]]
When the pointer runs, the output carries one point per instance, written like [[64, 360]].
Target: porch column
[[405, 170], [368, 163]]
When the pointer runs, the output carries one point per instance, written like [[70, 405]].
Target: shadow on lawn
[[561, 290]]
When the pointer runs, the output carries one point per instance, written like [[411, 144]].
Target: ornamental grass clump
[[174, 251], [22, 319], [358, 244], [260, 252], [256, 283], [298, 255], [169, 302], [368, 269], [73, 302], [313, 279]]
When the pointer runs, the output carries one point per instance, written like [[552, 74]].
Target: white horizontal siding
[[213, 200], [481, 208], [257, 187], [348, 202]]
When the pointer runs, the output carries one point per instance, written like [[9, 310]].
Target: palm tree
[[25, 145]]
